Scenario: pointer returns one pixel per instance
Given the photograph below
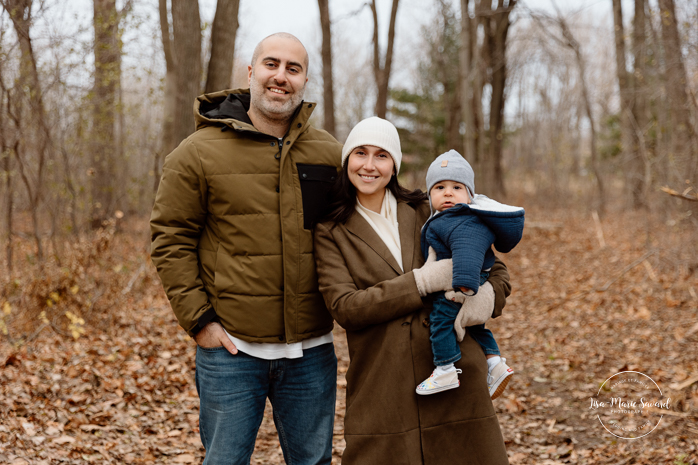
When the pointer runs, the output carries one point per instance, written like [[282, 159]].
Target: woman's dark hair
[[343, 197]]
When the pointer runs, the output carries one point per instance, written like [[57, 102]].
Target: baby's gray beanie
[[451, 166]]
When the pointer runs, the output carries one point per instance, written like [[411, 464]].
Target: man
[[233, 248]]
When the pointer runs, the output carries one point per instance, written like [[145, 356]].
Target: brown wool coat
[[386, 422]]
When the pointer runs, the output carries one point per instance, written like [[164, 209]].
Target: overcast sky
[[301, 18], [259, 18], [352, 32]]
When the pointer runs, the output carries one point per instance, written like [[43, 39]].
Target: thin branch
[[605, 287], [133, 279], [682, 195], [351, 14]]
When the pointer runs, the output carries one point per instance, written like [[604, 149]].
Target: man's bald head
[[280, 35]]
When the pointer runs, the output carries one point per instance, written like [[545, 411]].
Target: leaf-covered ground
[[590, 299]]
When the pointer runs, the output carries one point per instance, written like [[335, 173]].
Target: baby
[[464, 226]]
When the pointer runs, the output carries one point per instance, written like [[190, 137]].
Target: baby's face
[[447, 194]]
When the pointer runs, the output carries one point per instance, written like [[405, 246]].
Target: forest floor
[[590, 299]]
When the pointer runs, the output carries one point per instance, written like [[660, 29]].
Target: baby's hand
[[465, 290]]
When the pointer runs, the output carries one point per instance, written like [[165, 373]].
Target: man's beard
[[269, 108]]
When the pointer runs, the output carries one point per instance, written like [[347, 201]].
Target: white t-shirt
[[275, 351]]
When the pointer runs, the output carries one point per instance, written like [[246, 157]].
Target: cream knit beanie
[[378, 132]]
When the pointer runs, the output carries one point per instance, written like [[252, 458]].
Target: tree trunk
[[71, 189], [639, 119], [449, 76], [681, 130], [220, 65], [181, 44], [382, 73], [327, 81], [467, 75], [37, 137], [186, 26], [493, 71], [168, 140], [572, 43], [107, 61], [9, 188], [629, 146], [499, 76], [9, 206]]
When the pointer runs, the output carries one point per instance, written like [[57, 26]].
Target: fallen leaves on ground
[[579, 313]]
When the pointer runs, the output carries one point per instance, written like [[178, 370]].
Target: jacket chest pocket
[[316, 182]]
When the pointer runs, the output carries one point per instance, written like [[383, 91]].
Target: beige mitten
[[434, 275], [476, 309]]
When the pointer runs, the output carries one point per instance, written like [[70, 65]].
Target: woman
[[373, 278]]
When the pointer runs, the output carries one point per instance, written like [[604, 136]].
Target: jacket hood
[[222, 108], [505, 221], [230, 107]]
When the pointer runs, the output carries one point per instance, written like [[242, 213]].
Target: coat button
[[277, 188], [425, 322], [406, 323], [277, 156], [272, 144], [299, 125], [304, 175], [288, 142], [281, 338]]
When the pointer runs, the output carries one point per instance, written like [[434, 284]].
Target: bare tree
[[106, 83], [641, 169], [470, 92], [181, 43], [628, 133], [485, 64], [32, 148], [682, 133], [5, 155], [327, 81], [449, 72], [381, 72], [168, 139], [570, 42], [496, 28], [186, 26], [567, 40], [640, 184], [223, 33]]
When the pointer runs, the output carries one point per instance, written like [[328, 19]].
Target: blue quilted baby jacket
[[466, 234]]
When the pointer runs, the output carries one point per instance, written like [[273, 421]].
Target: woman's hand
[[434, 275], [476, 309]]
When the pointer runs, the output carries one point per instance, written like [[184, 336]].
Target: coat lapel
[[358, 226], [406, 222]]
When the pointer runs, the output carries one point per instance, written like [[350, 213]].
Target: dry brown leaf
[[64, 440]]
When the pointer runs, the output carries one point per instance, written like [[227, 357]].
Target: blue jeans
[[444, 344], [233, 390]]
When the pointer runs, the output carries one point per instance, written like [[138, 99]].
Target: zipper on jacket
[[281, 147]]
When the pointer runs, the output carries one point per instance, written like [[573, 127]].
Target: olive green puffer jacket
[[231, 225]]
